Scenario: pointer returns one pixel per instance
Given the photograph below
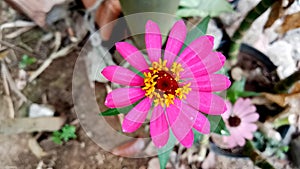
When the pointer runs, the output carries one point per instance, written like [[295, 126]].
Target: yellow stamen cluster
[[150, 82], [182, 92], [158, 66], [176, 69]]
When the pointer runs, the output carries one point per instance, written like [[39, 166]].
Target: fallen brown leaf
[[35, 9], [130, 148], [290, 22], [276, 12]]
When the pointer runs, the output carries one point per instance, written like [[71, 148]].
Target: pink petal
[[132, 55], [210, 83], [232, 139], [240, 105], [181, 118], [201, 47], [213, 62], [159, 129], [247, 110], [207, 102], [153, 41], [250, 126], [244, 131], [228, 112], [253, 117], [195, 66], [175, 41], [140, 111], [221, 57], [122, 76], [135, 118], [202, 124], [241, 141], [123, 97], [188, 140], [211, 39]]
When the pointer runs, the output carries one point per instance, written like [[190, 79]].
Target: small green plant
[[270, 146], [26, 61], [237, 90], [65, 134]]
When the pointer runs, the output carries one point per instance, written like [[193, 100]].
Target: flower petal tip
[[206, 129], [108, 101], [221, 57], [210, 38], [150, 23], [130, 126], [228, 83]]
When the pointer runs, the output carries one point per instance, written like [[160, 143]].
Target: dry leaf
[[35, 9], [130, 148], [276, 12], [296, 88], [291, 99], [290, 22], [276, 98]]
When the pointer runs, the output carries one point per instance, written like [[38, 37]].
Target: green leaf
[[217, 125], [197, 136], [26, 61], [68, 132], [116, 111], [196, 32], [237, 90], [247, 93], [203, 8], [164, 152], [284, 148], [56, 137]]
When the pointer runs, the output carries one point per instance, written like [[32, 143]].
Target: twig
[[47, 62], [7, 92], [18, 23], [20, 125], [14, 47], [18, 32], [11, 82]]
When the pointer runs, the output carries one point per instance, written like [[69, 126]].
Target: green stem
[[257, 159], [284, 85], [252, 15]]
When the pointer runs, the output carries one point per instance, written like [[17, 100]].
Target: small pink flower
[[240, 122], [175, 87]]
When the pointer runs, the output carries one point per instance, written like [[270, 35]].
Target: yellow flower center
[[162, 84]]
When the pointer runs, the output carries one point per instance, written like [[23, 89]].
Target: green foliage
[[197, 136], [217, 125], [164, 152], [196, 32], [116, 111], [237, 90], [26, 61], [203, 8], [66, 133], [269, 146]]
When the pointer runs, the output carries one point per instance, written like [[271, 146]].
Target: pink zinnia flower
[[240, 122], [175, 88]]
